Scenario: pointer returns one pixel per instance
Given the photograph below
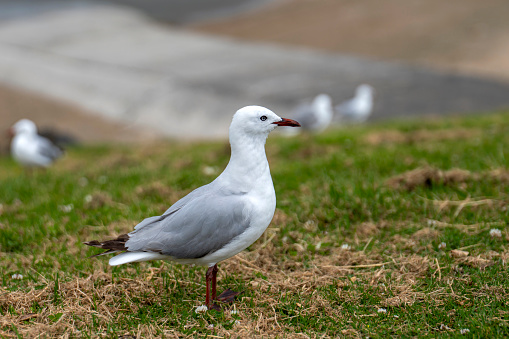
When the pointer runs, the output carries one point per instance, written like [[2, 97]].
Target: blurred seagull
[[358, 108], [30, 149], [216, 221], [314, 116]]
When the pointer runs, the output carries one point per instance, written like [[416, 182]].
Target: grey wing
[[347, 108], [47, 149], [305, 115], [175, 207], [199, 226]]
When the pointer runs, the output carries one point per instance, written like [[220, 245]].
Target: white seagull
[[30, 149], [314, 116], [216, 221], [359, 108]]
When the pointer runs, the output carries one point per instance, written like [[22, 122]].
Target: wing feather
[[198, 224], [304, 114], [48, 149]]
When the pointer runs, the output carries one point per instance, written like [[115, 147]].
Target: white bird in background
[[30, 149], [359, 108], [313, 116], [216, 221]]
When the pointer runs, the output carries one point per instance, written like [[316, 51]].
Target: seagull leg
[[211, 296], [226, 297], [214, 282]]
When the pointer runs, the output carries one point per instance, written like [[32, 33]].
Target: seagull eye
[[263, 118]]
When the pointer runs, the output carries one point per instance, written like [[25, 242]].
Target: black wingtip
[[103, 253], [117, 244], [94, 243]]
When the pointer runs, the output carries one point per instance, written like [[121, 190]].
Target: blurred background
[[128, 71]]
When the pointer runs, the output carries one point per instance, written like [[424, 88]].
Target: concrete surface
[[122, 65], [175, 12], [191, 11], [467, 36]]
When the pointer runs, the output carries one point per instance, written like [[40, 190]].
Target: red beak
[[287, 122]]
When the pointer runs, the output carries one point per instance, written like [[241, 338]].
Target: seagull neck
[[29, 133], [247, 162]]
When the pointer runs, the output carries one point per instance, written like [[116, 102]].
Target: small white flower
[[209, 170], [66, 208], [396, 316], [346, 247], [232, 312], [237, 322], [464, 331], [17, 276], [83, 181], [310, 224], [201, 309], [445, 327], [317, 246], [382, 310], [88, 198], [211, 326], [442, 245], [432, 222], [495, 233]]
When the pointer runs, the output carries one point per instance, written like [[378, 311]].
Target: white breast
[[263, 206], [24, 149]]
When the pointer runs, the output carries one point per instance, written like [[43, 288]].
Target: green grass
[[332, 190]]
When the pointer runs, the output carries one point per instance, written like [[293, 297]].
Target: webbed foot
[[228, 296]]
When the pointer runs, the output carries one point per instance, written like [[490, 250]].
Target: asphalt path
[[176, 12], [120, 64]]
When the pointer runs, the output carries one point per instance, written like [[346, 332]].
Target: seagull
[[30, 149], [314, 116], [358, 108], [216, 221]]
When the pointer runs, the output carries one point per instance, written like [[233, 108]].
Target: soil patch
[[61, 118], [462, 35], [429, 176]]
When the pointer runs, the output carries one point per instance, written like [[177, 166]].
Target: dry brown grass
[[429, 176], [470, 229], [421, 136], [95, 298]]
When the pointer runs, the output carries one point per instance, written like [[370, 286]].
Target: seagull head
[[323, 102], [257, 121], [23, 126], [322, 107], [365, 90]]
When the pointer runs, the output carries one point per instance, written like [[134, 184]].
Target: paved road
[[190, 11], [170, 11], [121, 64]]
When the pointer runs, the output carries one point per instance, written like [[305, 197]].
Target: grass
[[361, 244]]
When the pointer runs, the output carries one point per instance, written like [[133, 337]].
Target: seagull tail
[[127, 257], [112, 246], [118, 245]]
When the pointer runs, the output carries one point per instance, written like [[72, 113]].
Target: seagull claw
[[228, 296], [215, 306]]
